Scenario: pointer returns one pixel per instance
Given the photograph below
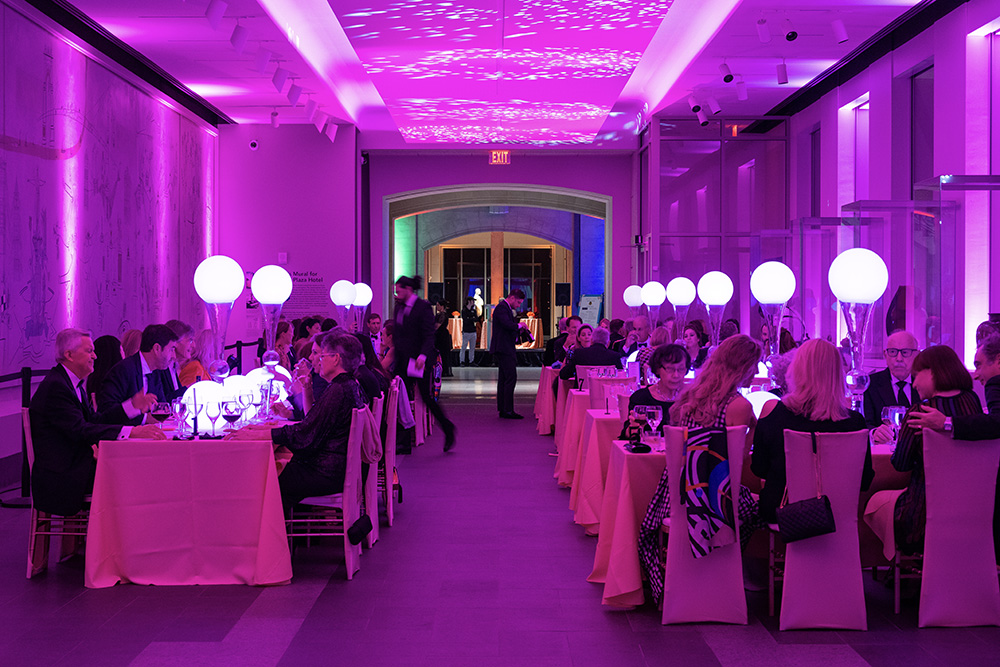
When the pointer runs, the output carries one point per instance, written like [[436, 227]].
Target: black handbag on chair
[[806, 518]]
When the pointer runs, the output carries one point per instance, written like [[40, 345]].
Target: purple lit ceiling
[[481, 72]]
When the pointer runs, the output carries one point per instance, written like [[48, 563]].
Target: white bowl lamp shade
[[681, 292], [772, 283], [858, 275], [715, 288], [218, 279], [758, 399], [271, 285], [633, 296], [362, 295], [653, 293], [343, 293]]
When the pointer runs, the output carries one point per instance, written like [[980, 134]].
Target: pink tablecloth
[[562, 393], [632, 480], [568, 446], [186, 512], [545, 401], [587, 493]]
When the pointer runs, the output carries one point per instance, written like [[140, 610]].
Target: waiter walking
[[502, 345], [413, 338]]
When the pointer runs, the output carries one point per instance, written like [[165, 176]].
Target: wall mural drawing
[[107, 200]]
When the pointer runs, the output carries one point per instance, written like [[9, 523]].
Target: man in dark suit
[[554, 343], [503, 347], [637, 338], [64, 427], [892, 385], [374, 324], [138, 374], [413, 338], [597, 354]]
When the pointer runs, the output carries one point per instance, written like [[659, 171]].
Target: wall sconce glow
[[633, 296], [343, 293], [681, 292], [218, 279], [653, 293], [715, 288], [363, 295], [271, 285], [772, 283], [858, 275]]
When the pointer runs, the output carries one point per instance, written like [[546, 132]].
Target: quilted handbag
[[806, 518]]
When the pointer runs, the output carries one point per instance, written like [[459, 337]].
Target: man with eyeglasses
[[892, 385]]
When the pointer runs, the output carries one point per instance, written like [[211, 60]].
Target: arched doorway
[[404, 205]]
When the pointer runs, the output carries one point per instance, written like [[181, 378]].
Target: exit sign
[[499, 157]]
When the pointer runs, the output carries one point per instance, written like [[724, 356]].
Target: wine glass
[[213, 410], [654, 415], [888, 419], [180, 408], [641, 418], [232, 411], [160, 411]]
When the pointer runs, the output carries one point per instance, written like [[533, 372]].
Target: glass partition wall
[[720, 191]]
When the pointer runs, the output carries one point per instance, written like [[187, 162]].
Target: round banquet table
[[600, 428], [545, 400], [577, 404]]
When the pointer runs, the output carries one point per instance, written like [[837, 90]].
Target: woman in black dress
[[670, 364]]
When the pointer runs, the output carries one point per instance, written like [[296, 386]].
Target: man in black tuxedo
[[503, 347], [374, 324], [64, 428], [138, 374], [413, 338], [597, 354], [637, 338], [555, 343], [892, 385]]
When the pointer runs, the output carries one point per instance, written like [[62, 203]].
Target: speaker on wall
[[564, 294], [435, 292]]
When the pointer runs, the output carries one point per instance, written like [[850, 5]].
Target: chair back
[[623, 400], [29, 446], [959, 573], [584, 373], [823, 586], [378, 410], [600, 396], [352, 475], [708, 589]]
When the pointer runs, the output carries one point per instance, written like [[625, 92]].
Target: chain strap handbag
[[806, 518]]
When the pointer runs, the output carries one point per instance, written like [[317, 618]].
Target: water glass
[[654, 415]]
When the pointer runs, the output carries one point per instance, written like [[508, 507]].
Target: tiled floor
[[484, 567]]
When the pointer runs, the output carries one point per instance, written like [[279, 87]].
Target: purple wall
[[606, 175], [295, 194]]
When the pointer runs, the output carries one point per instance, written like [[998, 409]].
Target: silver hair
[[67, 340], [601, 337]]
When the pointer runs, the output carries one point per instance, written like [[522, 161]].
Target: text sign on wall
[[499, 157]]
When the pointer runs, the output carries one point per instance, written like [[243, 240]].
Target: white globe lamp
[[218, 281], [653, 295], [715, 289], [633, 299], [858, 278], [362, 297], [343, 294], [271, 286], [772, 284]]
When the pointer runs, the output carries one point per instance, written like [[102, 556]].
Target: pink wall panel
[[295, 194]]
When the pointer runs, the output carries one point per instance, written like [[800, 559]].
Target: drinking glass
[[180, 409], [213, 410], [195, 409], [231, 411], [641, 418], [160, 411], [654, 415]]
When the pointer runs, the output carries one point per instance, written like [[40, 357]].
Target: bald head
[[900, 349]]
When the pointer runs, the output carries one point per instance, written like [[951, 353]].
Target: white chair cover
[[708, 589], [823, 587], [959, 574], [602, 394], [388, 466]]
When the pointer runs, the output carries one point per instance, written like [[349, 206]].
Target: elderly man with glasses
[[892, 385]]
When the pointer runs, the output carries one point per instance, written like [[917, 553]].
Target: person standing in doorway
[[470, 319], [502, 346], [413, 340]]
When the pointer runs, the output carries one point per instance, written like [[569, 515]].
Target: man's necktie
[[903, 399], [81, 392]]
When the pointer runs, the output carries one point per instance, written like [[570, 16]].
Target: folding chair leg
[[896, 564], [38, 545]]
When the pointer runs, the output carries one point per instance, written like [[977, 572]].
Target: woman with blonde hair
[[196, 368], [816, 402]]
